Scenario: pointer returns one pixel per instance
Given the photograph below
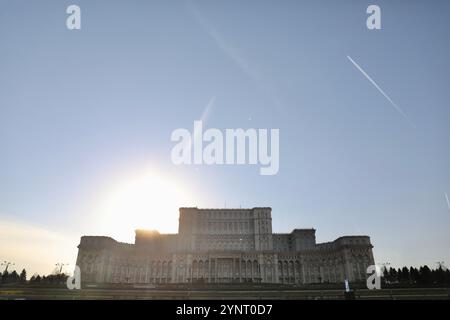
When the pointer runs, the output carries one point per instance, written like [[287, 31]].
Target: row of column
[[221, 270]]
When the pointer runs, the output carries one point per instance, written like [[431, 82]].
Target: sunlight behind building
[[147, 200]]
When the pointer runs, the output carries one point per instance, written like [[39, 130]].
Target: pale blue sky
[[78, 108]]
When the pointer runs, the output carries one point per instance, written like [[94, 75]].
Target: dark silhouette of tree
[[55, 279], [414, 275], [385, 273], [438, 275], [422, 276], [385, 277], [425, 275], [393, 275], [405, 275], [23, 276], [399, 275], [13, 277], [5, 276]]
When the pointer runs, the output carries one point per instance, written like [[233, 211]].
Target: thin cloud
[[399, 110], [230, 51]]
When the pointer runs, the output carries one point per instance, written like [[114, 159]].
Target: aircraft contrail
[[203, 119], [399, 110], [448, 202], [207, 110]]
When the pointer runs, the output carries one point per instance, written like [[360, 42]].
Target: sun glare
[[149, 200]]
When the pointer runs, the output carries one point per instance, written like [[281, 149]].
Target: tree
[[399, 275], [414, 275], [5, 276], [392, 275], [439, 275], [23, 276], [425, 275], [14, 277], [405, 275], [386, 275]]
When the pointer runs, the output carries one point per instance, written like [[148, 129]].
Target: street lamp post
[[441, 265], [60, 266], [7, 264]]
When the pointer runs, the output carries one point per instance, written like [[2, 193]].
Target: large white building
[[224, 246]]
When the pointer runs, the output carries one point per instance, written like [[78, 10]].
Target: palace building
[[224, 246]]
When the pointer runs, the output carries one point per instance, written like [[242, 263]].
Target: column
[[240, 268], [209, 269], [275, 263], [261, 268], [295, 271], [174, 267], [217, 271], [302, 263]]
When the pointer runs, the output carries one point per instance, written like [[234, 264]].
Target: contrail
[[203, 119], [448, 202], [207, 110], [381, 91]]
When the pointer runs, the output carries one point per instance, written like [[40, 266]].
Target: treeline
[[15, 278], [413, 276]]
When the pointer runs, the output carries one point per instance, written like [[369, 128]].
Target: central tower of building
[[226, 229]]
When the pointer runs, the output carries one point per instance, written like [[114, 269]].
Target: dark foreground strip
[[222, 309]]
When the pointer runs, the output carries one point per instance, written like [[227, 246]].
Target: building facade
[[224, 246]]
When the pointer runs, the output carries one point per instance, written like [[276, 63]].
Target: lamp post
[[441, 265], [7, 264], [59, 266]]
